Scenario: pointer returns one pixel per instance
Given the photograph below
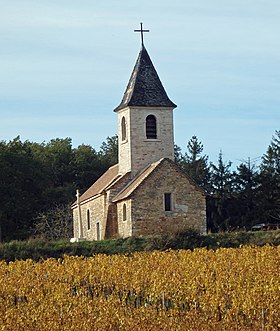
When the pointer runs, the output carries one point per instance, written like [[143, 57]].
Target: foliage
[[269, 179], [236, 200], [55, 223], [35, 178], [41, 248], [109, 151], [21, 184], [226, 289], [220, 211], [193, 163], [187, 239]]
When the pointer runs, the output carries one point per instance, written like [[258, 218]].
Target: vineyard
[[226, 289]]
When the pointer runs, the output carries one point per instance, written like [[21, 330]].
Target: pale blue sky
[[65, 64]]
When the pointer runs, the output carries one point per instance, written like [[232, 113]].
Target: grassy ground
[[37, 249]]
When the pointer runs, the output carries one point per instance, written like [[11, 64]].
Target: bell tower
[[145, 118]]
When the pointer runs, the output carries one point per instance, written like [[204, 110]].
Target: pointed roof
[[144, 88], [139, 179], [136, 181]]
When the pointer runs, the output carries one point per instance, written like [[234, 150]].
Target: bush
[[187, 239], [37, 249]]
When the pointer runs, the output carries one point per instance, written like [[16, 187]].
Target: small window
[[151, 127], [88, 219], [123, 129], [167, 202], [124, 212]]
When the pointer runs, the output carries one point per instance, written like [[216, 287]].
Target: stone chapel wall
[[96, 209], [188, 205], [124, 224]]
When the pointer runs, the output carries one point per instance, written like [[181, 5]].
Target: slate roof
[[144, 88], [110, 177]]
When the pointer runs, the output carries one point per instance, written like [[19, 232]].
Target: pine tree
[[219, 202], [269, 191], [245, 192], [195, 164], [221, 178]]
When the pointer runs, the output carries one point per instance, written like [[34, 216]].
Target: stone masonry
[[136, 151], [145, 193], [147, 204]]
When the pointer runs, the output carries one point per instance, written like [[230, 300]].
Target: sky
[[65, 64]]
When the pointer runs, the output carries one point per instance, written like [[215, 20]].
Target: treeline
[[38, 183], [236, 199]]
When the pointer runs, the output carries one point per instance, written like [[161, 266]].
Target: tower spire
[[142, 31]]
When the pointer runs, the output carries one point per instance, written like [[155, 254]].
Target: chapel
[[146, 193]]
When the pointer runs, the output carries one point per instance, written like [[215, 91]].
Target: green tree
[[56, 159], [35, 178], [178, 156], [21, 185], [194, 163], [109, 151], [86, 166], [218, 203], [245, 180], [221, 177], [269, 190]]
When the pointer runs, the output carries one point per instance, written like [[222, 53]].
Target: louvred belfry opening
[[151, 127], [147, 113]]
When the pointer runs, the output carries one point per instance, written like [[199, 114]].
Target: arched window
[[88, 219], [124, 212], [123, 128], [151, 127]]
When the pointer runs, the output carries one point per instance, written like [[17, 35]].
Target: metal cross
[[141, 30]]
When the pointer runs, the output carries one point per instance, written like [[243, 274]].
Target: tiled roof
[[107, 179], [144, 88]]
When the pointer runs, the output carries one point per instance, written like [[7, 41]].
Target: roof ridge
[[153, 166]]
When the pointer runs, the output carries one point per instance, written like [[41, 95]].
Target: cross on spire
[[142, 31]]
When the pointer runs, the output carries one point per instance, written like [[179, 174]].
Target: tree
[[245, 182], [178, 156], [193, 163], [54, 224], [269, 190], [21, 186], [218, 204], [271, 160], [85, 166], [109, 151], [55, 158], [221, 177]]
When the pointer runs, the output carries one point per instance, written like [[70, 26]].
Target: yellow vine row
[[226, 289]]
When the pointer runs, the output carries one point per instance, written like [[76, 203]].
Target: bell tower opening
[[145, 117], [151, 127]]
